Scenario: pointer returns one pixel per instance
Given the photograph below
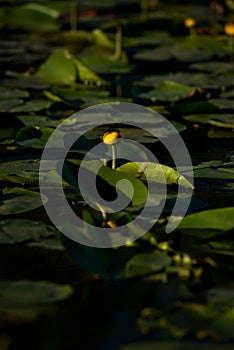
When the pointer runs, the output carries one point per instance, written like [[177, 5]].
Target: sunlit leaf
[[216, 219], [155, 173], [58, 69]]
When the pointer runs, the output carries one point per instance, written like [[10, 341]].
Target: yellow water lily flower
[[229, 29], [189, 22], [111, 137]]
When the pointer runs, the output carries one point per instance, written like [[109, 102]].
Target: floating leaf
[[32, 106], [51, 243], [32, 293], [12, 93], [36, 139], [213, 219], [59, 68], [33, 17], [18, 200], [159, 173], [192, 108], [69, 68], [104, 65], [20, 171], [85, 74], [100, 39], [198, 48], [144, 263], [22, 230], [224, 324], [167, 91], [8, 104], [219, 120], [161, 54], [107, 179]]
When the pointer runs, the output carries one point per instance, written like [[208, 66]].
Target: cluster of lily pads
[[182, 69]]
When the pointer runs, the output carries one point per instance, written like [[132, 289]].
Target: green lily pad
[[161, 54], [224, 324], [12, 93], [9, 104], [22, 230], [59, 61], [105, 65], [70, 69], [35, 137], [20, 172], [33, 17], [222, 103], [213, 219], [155, 173], [100, 39], [32, 106], [148, 38], [198, 48], [144, 263], [38, 120], [167, 91], [23, 293], [51, 243], [213, 66], [192, 107], [218, 120], [18, 200], [107, 179]]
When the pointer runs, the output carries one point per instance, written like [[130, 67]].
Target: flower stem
[[114, 155]]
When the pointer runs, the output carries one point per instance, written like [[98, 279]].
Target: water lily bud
[[112, 224], [189, 22], [229, 29], [111, 137]]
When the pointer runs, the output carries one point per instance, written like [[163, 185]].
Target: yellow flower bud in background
[[229, 29], [189, 22], [111, 137], [112, 224]]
